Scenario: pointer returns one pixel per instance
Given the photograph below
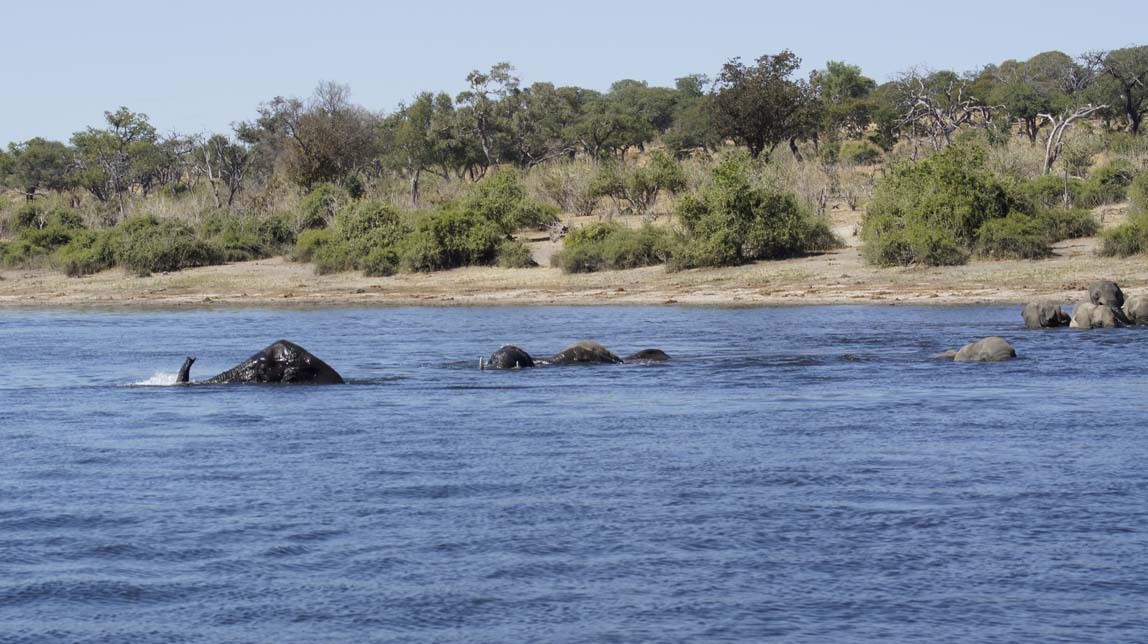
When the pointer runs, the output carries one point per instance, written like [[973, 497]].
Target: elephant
[[1040, 315], [1087, 315], [282, 362], [584, 352], [990, 349], [1105, 293], [1136, 309]]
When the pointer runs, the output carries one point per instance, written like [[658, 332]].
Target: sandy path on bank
[[837, 277]]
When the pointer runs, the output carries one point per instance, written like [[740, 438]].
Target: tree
[[611, 125], [540, 129], [226, 164], [488, 106], [325, 139], [415, 138], [937, 104], [110, 159], [40, 164], [761, 106], [1123, 81], [844, 93], [1040, 85]]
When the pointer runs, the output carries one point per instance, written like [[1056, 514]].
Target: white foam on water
[[158, 379]]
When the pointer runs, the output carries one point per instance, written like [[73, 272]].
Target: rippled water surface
[[804, 474]]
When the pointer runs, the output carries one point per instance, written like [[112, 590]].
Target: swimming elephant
[[282, 362], [990, 349], [509, 357], [1043, 315], [1136, 309], [1087, 315], [584, 352], [1105, 293]]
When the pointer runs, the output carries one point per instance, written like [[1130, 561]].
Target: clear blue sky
[[198, 66]]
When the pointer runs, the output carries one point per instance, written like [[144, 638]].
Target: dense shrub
[[1138, 195], [88, 252], [319, 207], [502, 200], [930, 212], [611, 246], [448, 239], [1016, 236], [1073, 223], [309, 241], [859, 152], [245, 237], [731, 222], [39, 229], [150, 245], [636, 188], [1047, 191], [1129, 238], [514, 254], [1107, 184]]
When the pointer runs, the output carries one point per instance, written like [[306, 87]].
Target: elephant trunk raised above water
[[585, 352], [282, 362]]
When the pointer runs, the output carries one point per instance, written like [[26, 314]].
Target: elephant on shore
[[584, 352], [1043, 315], [990, 349], [282, 362]]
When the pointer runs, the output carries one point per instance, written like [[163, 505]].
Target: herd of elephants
[[285, 362]]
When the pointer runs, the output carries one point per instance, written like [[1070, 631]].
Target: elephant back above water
[[1105, 293], [1042, 315], [1136, 309], [585, 352], [1097, 316], [990, 349], [283, 362]]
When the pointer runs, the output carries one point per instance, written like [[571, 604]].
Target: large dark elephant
[[584, 352], [283, 362]]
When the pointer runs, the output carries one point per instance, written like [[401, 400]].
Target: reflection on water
[[805, 474]]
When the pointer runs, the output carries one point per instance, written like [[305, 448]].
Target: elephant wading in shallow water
[[283, 362], [585, 352]]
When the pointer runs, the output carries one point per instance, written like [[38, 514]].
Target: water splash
[[157, 379]]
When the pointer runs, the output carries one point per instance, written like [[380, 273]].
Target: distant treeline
[[321, 178], [498, 120]]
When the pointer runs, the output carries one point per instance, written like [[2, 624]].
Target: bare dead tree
[[939, 104], [1060, 123]]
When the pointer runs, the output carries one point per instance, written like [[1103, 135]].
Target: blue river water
[[794, 474]]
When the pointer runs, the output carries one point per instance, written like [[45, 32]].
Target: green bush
[[381, 262], [370, 224], [335, 256], [635, 187], [149, 245], [448, 238], [1138, 195], [732, 222], [515, 254], [35, 215], [1073, 223], [1016, 236], [930, 212], [309, 241], [245, 237], [1107, 184], [611, 246], [1129, 238], [502, 199], [88, 252], [319, 207], [860, 152], [1047, 191]]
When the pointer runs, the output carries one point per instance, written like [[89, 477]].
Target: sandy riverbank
[[837, 277]]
